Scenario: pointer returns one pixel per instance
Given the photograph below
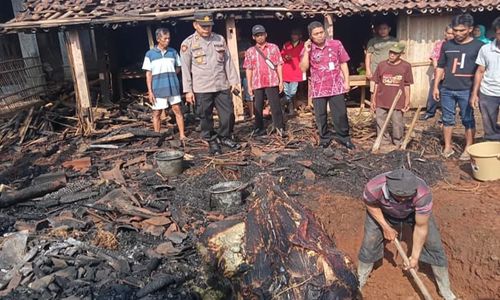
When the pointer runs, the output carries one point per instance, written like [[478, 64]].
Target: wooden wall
[[420, 33]]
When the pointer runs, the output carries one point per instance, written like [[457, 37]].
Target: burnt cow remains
[[278, 251]]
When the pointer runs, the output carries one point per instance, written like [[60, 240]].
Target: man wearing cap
[[264, 71], [395, 199], [208, 76], [391, 76]]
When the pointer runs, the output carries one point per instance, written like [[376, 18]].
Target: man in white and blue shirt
[[486, 91], [162, 64]]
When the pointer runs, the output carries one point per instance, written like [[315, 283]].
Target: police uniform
[[208, 72]]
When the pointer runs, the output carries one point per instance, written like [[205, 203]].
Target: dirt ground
[[467, 215]]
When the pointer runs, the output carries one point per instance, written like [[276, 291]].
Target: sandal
[[447, 154], [464, 156]]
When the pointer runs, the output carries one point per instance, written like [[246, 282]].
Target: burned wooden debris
[[118, 228], [42, 186], [279, 251]]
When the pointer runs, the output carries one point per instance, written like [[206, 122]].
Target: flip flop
[[465, 156], [447, 154]]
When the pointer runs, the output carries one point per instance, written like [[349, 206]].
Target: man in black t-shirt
[[457, 63]]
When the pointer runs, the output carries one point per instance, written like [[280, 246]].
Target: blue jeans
[[290, 89], [449, 101], [372, 247], [432, 104], [489, 106]]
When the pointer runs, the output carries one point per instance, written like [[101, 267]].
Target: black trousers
[[224, 104], [339, 116], [273, 96]]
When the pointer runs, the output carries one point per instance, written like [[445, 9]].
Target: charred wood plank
[[11, 198]]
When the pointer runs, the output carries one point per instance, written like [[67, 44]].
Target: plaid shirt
[[326, 76], [263, 76]]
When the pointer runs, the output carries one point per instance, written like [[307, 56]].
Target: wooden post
[[232, 44], [81, 84], [150, 37], [102, 50], [363, 97], [329, 19]]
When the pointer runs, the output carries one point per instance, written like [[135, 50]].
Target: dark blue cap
[[258, 29], [402, 183]]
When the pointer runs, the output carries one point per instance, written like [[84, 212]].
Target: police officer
[[208, 76]]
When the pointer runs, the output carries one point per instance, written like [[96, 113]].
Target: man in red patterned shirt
[[264, 70], [327, 59]]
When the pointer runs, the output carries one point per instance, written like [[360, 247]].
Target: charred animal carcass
[[278, 250]]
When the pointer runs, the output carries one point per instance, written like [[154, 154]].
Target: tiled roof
[[427, 6], [54, 13]]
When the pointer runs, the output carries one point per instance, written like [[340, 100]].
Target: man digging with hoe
[[395, 199]]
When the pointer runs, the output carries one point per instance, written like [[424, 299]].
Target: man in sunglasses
[[393, 200]]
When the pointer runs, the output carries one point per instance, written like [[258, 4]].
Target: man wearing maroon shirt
[[391, 76], [292, 74], [394, 200], [327, 59]]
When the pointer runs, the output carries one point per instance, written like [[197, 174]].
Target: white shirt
[[489, 57]]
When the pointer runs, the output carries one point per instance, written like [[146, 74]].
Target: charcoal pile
[[279, 251], [88, 245]]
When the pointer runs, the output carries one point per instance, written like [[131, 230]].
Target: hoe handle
[[420, 284]]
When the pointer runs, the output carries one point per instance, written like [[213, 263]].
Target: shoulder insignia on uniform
[[184, 47]]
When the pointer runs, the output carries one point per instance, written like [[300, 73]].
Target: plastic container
[[485, 160], [226, 195], [170, 163]]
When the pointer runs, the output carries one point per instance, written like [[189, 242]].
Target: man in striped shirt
[[394, 199], [162, 64]]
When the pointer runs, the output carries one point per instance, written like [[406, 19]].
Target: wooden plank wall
[[420, 33]]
